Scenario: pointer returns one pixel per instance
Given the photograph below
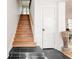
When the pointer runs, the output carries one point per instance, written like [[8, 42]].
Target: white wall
[[32, 10], [61, 24], [12, 21], [36, 13]]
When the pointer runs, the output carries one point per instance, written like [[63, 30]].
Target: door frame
[[56, 19]]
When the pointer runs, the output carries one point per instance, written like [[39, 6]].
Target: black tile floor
[[23, 50], [35, 53], [52, 53]]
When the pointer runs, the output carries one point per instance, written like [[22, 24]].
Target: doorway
[[49, 26]]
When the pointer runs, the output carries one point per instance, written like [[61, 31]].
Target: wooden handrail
[[31, 22], [30, 16]]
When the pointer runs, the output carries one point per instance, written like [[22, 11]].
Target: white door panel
[[49, 23]]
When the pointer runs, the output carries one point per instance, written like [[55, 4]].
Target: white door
[[49, 26]]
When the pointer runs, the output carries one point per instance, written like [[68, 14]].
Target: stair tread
[[22, 33], [23, 42], [26, 40], [23, 37]]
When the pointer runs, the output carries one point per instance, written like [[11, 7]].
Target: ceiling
[[25, 3]]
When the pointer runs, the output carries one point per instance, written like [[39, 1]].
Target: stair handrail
[[31, 22], [30, 16]]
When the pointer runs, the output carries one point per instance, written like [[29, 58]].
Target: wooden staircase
[[24, 35]]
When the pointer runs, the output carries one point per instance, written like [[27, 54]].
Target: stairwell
[[24, 35], [23, 44]]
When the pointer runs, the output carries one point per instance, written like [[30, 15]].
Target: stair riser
[[23, 35], [24, 40], [20, 37], [24, 45], [23, 30], [27, 28], [23, 23], [26, 24], [23, 27]]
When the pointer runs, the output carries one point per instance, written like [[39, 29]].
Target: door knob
[[43, 29]]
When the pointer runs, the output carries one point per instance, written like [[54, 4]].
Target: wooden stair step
[[24, 44], [24, 21], [24, 15], [24, 26], [21, 19], [23, 34], [18, 42], [24, 40], [24, 18], [28, 28], [24, 31], [23, 37]]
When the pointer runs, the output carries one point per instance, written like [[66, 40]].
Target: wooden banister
[[31, 22]]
